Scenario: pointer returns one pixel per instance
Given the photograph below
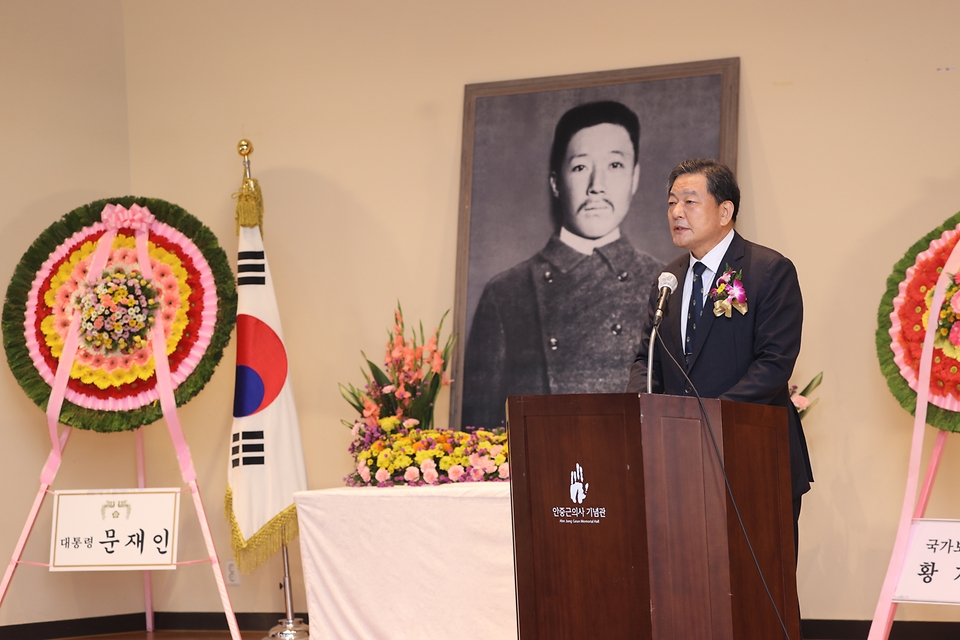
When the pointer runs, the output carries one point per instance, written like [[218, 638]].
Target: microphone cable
[[723, 470]]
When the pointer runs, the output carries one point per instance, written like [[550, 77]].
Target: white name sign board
[[114, 530], [931, 569]]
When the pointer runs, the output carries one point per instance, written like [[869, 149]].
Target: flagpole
[[290, 628]]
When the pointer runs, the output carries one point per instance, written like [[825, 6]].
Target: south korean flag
[[266, 464]]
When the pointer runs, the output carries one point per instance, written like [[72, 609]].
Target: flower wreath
[[902, 321], [112, 383]]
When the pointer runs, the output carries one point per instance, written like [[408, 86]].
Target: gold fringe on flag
[[249, 205], [251, 554]]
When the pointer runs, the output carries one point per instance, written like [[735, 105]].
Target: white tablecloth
[[408, 562]]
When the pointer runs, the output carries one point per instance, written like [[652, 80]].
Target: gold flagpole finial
[[249, 199]]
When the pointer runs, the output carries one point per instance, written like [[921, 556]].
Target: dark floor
[[178, 635]]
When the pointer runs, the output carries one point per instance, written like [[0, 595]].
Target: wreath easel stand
[[914, 505], [137, 221], [51, 467]]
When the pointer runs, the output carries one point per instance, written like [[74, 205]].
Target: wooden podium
[[623, 527]]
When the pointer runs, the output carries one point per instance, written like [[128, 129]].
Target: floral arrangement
[[801, 400], [729, 294], [393, 439], [415, 371], [53, 301], [902, 320], [399, 453], [117, 312]]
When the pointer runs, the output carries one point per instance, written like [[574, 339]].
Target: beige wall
[[848, 139]]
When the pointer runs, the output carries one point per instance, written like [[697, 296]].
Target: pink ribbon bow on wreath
[[116, 216]]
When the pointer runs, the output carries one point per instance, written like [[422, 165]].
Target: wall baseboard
[[211, 621], [163, 621], [858, 630]]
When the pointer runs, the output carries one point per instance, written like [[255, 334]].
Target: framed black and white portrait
[[562, 228]]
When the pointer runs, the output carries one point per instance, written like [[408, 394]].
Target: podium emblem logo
[[578, 488]]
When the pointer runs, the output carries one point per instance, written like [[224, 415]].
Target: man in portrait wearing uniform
[[568, 319]]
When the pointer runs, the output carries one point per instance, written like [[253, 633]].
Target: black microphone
[[667, 283]]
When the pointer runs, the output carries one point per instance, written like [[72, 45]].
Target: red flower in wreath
[[903, 319]]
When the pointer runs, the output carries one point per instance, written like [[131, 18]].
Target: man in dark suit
[[744, 344], [566, 319]]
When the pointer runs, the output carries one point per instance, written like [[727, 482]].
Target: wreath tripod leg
[[51, 467]]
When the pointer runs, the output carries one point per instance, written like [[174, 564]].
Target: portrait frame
[[508, 126]]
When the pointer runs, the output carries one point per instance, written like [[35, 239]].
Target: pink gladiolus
[[504, 470], [371, 412], [430, 476], [436, 363], [402, 393], [370, 409], [363, 471], [455, 472], [412, 474], [382, 475]]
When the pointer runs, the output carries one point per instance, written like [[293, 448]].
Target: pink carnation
[[504, 470], [476, 473], [800, 402], [428, 465], [484, 463], [382, 475], [954, 336], [455, 472], [430, 476], [412, 474], [363, 470]]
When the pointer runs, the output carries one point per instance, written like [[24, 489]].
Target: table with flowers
[[408, 561]]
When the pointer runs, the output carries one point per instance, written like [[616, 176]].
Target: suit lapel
[[734, 258]]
